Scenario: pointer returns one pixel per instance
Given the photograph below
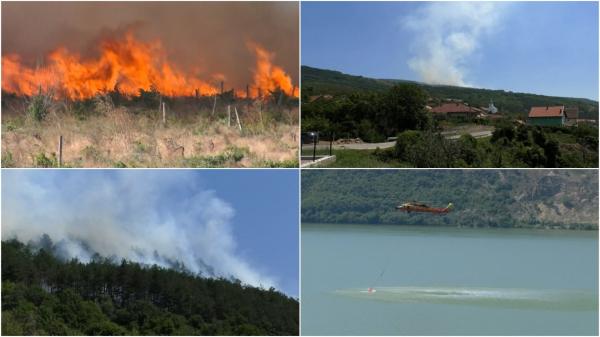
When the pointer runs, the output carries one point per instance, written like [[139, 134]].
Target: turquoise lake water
[[438, 281]]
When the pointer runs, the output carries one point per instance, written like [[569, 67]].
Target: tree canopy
[[482, 198], [44, 295], [320, 82]]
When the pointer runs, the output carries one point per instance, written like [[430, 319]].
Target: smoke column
[[147, 216], [202, 38], [446, 35]]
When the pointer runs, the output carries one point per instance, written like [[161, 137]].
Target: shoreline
[[546, 228]]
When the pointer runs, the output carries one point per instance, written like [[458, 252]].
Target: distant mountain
[[482, 198], [317, 81]]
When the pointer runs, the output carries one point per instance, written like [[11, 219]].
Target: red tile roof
[[547, 111], [453, 108]]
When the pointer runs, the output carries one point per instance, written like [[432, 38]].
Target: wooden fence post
[[237, 118], [60, 147], [164, 115], [229, 115], [248, 99], [214, 105]]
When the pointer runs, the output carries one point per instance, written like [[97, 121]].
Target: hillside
[[482, 198], [44, 295], [320, 81]]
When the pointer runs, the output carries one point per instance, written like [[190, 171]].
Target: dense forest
[[482, 198], [45, 295], [320, 82]]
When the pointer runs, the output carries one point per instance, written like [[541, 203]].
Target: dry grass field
[[99, 133]]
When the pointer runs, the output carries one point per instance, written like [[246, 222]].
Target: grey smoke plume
[[148, 216], [446, 35], [204, 38]]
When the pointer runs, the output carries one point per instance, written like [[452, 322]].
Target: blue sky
[[266, 224], [546, 48], [241, 223]]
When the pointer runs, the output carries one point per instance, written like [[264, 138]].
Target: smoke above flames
[[86, 48], [446, 35], [148, 216]]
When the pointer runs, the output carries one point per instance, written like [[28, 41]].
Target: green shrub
[[38, 108], [504, 132], [406, 140], [291, 163], [236, 153], [468, 150], [42, 161], [7, 159], [83, 109], [149, 98], [232, 154], [10, 126], [140, 147]]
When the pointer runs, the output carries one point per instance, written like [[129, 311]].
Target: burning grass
[[128, 64], [112, 130], [128, 104]]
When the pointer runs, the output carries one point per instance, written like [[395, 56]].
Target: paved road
[[478, 134], [385, 145], [353, 146]]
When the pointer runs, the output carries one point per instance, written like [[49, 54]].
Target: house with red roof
[[455, 109], [547, 115]]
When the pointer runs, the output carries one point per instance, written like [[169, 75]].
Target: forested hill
[[320, 82], [43, 295], [482, 198]]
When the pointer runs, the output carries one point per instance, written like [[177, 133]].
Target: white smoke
[[446, 35], [152, 217]]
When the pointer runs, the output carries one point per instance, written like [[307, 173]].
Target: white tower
[[491, 108]]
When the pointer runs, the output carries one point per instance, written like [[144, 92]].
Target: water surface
[[438, 281]]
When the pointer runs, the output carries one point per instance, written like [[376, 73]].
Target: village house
[[547, 116], [571, 115], [455, 109]]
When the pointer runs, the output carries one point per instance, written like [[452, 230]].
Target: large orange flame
[[126, 64], [269, 77]]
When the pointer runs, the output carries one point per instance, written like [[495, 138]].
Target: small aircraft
[[423, 208]]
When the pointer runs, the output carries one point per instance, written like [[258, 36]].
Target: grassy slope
[[360, 158], [122, 138]]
